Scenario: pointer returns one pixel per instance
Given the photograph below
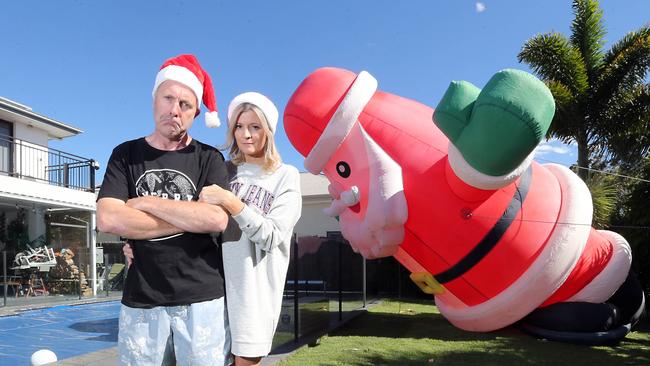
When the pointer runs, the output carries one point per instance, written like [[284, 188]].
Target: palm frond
[[625, 64], [626, 125], [563, 124], [552, 57], [604, 195], [588, 34], [561, 93]]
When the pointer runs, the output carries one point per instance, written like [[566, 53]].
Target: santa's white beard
[[379, 230]]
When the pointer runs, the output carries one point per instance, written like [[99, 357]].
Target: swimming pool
[[67, 330]]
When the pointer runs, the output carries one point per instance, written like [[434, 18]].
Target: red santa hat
[[322, 111], [186, 69]]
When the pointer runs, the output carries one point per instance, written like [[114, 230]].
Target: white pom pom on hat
[[212, 119], [262, 102], [186, 69]]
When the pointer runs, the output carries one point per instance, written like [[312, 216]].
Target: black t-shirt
[[179, 269]]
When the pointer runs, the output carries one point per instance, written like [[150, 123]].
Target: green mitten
[[496, 128]]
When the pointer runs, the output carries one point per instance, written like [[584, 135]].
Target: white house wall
[[313, 221], [31, 134], [30, 159], [315, 197]]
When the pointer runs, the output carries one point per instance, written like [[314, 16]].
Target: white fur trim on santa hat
[[342, 121], [262, 102], [212, 119], [183, 76]]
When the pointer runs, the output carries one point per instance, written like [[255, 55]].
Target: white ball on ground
[[42, 357]]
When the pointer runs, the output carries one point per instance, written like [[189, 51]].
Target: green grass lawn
[[414, 333]]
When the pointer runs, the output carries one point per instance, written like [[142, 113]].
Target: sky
[[92, 64]]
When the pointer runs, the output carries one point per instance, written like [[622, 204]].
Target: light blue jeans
[[198, 335]]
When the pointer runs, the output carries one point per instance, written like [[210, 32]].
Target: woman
[[264, 202]]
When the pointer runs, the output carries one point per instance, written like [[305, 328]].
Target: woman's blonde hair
[[272, 159]]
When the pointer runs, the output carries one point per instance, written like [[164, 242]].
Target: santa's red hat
[[323, 110], [186, 69]]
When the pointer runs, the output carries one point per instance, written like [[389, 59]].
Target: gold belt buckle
[[427, 283]]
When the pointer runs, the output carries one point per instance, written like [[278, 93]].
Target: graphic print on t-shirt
[[165, 183]]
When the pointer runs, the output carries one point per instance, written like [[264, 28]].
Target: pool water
[[68, 331]]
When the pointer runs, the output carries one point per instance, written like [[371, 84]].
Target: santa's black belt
[[493, 236]]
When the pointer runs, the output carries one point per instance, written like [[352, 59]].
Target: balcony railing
[[26, 160]]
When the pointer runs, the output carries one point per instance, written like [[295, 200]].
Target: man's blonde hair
[[272, 159]]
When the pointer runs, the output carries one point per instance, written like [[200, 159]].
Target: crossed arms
[[152, 217]]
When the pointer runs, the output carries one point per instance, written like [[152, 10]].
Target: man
[[174, 292]]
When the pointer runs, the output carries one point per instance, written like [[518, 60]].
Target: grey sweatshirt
[[256, 254]]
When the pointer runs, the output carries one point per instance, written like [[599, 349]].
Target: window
[[6, 156]]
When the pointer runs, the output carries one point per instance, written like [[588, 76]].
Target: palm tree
[[634, 223], [602, 102]]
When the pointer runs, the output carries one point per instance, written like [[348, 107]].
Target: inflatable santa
[[459, 201]]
